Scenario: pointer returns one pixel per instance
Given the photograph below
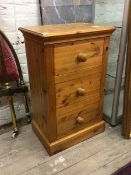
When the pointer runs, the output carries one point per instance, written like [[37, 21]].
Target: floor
[[100, 155]]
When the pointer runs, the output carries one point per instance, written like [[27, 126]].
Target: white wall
[[15, 14]]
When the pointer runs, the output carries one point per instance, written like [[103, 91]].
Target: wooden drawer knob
[[82, 57], [80, 120], [80, 92]]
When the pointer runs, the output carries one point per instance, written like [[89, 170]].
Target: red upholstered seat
[[11, 69]]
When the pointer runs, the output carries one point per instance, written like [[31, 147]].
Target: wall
[[110, 12]]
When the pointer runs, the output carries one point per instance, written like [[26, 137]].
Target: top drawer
[[78, 55]]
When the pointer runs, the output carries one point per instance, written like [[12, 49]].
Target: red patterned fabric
[[11, 68], [125, 170]]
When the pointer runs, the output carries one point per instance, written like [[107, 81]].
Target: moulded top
[[61, 30]]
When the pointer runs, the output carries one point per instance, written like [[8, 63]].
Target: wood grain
[[79, 106], [73, 30], [71, 139], [66, 56], [68, 124], [67, 92], [67, 75], [42, 88], [94, 69]]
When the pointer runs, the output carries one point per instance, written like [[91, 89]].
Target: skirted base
[[70, 140]]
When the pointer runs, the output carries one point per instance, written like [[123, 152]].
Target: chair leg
[[13, 115], [27, 108]]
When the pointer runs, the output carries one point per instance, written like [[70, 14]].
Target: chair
[[11, 78]]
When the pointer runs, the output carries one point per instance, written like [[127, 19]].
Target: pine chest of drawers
[[67, 68]]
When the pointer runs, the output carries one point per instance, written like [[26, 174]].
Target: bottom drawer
[[74, 122]]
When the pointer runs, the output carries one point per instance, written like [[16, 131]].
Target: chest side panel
[[40, 66]]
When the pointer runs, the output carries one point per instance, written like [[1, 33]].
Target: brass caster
[[15, 133]]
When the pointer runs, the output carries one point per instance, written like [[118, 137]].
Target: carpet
[[125, 170]]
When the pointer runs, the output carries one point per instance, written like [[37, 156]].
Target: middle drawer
[[72, 93]]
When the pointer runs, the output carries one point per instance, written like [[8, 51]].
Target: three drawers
[[78, 68], [67, 69]]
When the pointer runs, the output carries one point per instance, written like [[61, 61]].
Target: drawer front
[[70, 123], [78, 104], [78, 90], [78, 73], [73, 57]]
